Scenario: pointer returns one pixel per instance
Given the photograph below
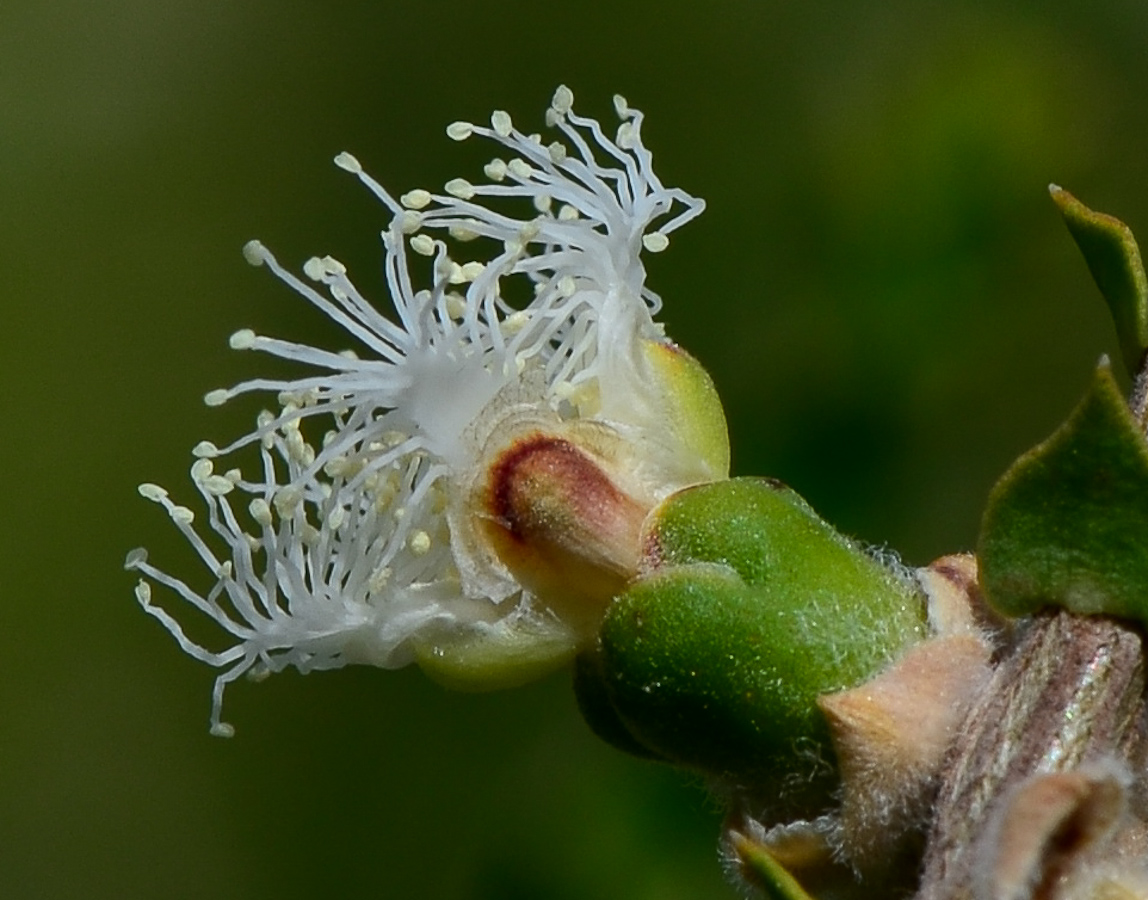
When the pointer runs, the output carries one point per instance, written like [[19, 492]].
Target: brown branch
[[1069, 692]]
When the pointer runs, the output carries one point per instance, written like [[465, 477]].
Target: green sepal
[[1067, 525], [597, 710], [494, 657], [703, 701], [1114, 260], [752, 607], [768, 875], [691, 409]]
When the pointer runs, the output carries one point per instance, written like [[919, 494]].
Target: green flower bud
[[750, 609]]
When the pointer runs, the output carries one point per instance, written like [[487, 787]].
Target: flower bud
[[750, 608]]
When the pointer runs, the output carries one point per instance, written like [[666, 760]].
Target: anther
[[416, 199], [459, 131], [348, 163], [495, 170], [563, 100], [460, 188], [423, 244], [501, 123], [244, 339], [255, 253], [655, 242], [152, 492]]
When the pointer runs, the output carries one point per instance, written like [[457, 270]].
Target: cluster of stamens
[[349, 545]]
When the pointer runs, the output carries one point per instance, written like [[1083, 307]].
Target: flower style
[[486, 466]]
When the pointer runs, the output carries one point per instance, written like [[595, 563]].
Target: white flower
[[368, 545]]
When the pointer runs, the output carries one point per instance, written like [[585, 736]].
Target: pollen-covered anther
[[471, 270], [455, 305], [563, 100], [379, 579], [560, 522], [423, 244], [519, 168], [287, 499], [152, 492], [348, 163], [501, 123], [515, 322], [259, 672], [655, 242], [416, 199], [558, 152], [143, 593], [205, 450], [419, 543], [464, 273], [459, 131], [255, 253], [202, 472], [182, 515], [409, 221], [627, 136], [462, 233], [244, 339], [460, 188], [260, 511]]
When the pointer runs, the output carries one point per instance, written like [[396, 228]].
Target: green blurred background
[[880, 287]]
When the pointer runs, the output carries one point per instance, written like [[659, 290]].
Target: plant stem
[[1069, 691]]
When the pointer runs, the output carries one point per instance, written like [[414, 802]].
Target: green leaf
[[752, 608], [1067, 525], [1114, 261]]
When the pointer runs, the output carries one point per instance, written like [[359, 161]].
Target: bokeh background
[[880, 287]]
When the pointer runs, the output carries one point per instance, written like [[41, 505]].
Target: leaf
[[1114, 261], [1067, 525]]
